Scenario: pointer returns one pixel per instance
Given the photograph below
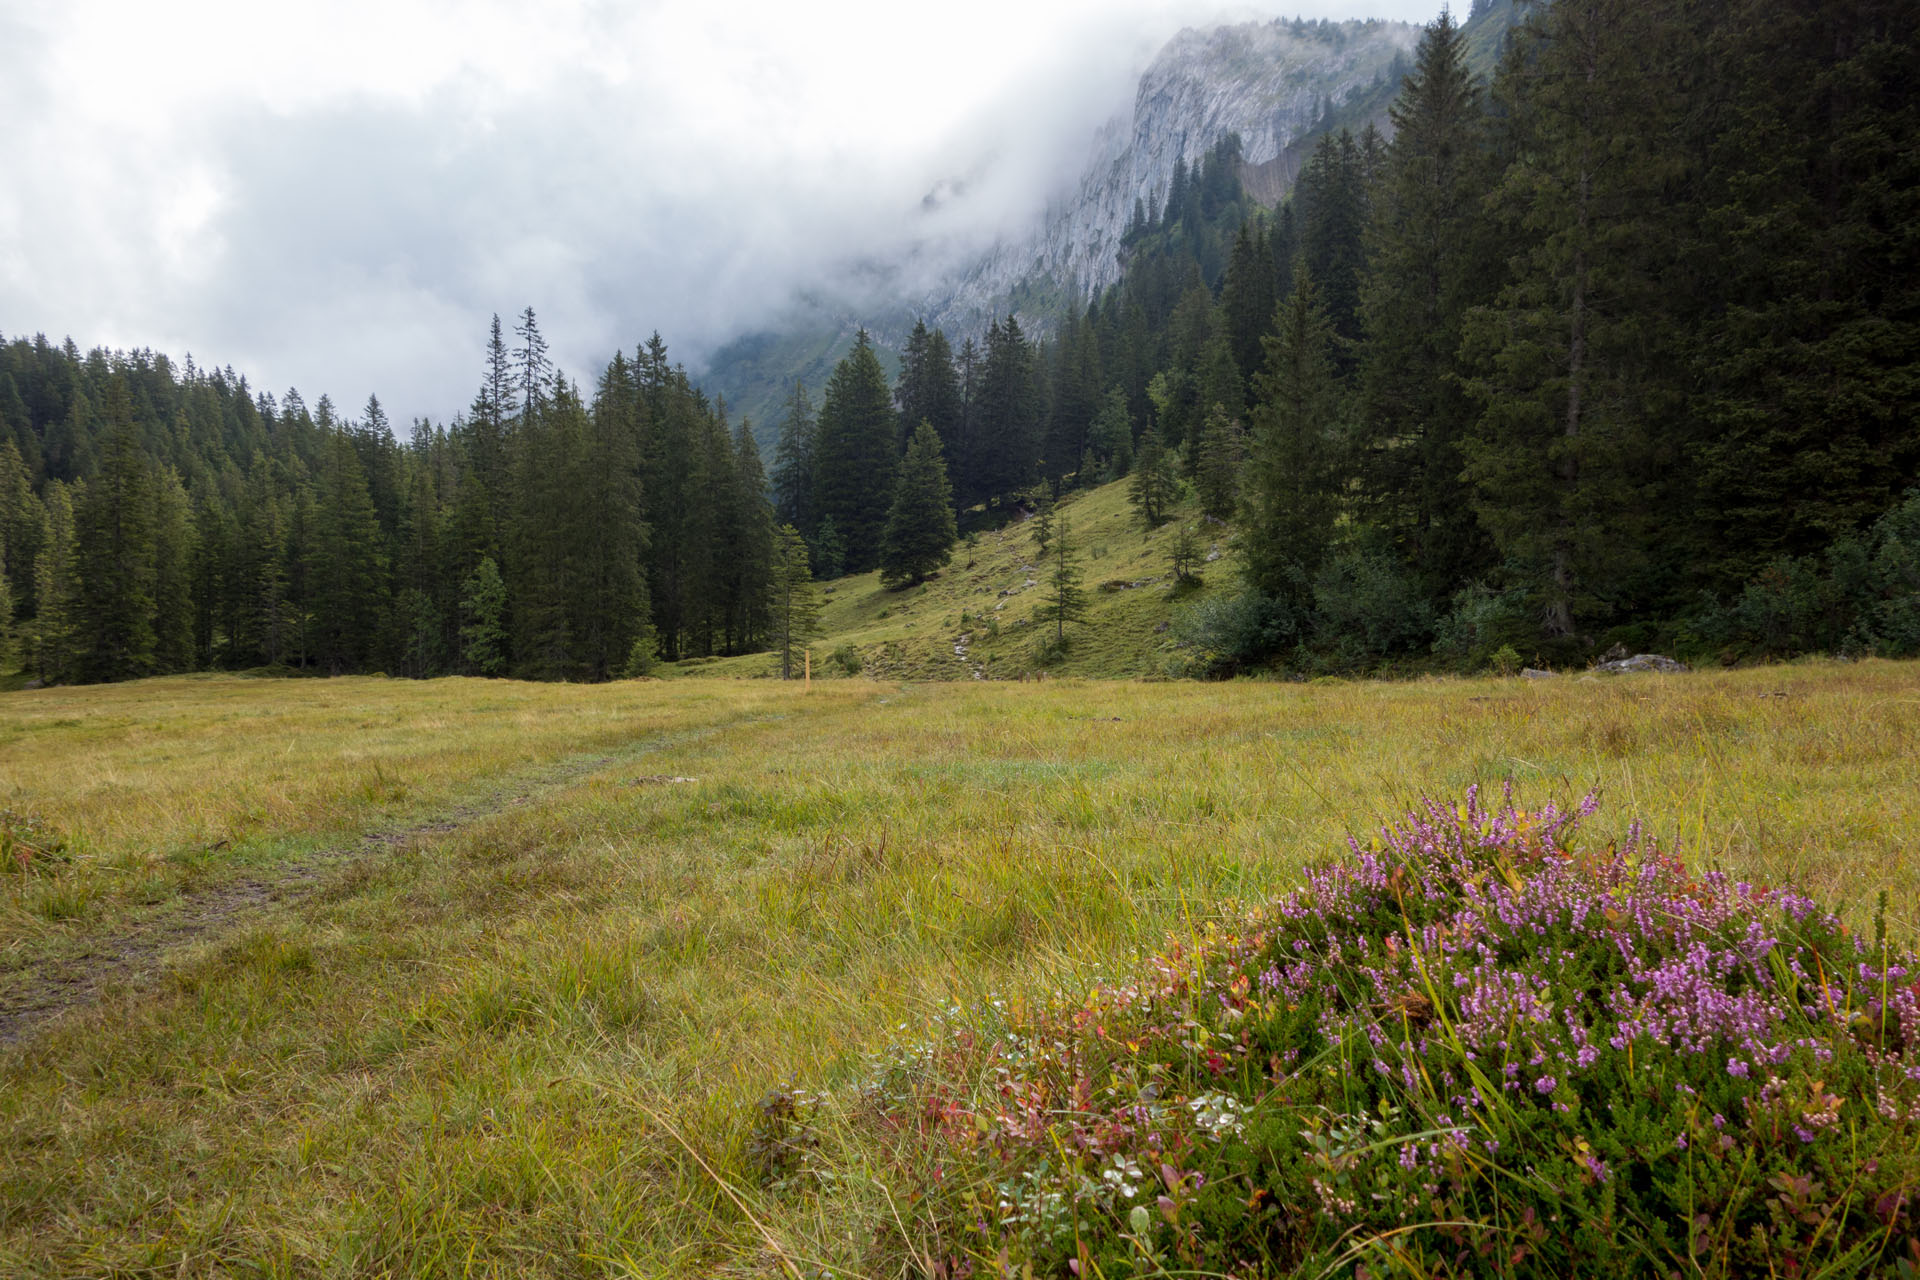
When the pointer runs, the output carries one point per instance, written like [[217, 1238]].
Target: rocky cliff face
[[1269, 82]]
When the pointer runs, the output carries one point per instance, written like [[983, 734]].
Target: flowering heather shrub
[[1469, 1048]]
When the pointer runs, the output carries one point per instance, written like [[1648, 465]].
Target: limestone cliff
[[1271, 82]]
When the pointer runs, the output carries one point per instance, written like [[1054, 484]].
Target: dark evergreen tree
[[1155, 485], [533, 371], [54, 640], [928, 389], [114, 553], [793, 479], [1216, 474], [1247, 301], [1573, 360], [173, 557], [854, 454], [483, 634], [793, 602], [1066, 598], [920, 530], [345, 568], [1006, 418], [1331, 202], [1290, 494], [1431, 258]]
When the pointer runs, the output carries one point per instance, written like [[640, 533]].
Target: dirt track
[[133, 956]]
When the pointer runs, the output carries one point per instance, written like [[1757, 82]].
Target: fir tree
[[483, 636], [793, 602], [1247, 301], [1216, 475], [793, 479], [345, 563], [1110, 440], [173, 557], [1006, 417], [854, 454], [1431, 258], [828, 551], [533, 371], [56, 658], [1332, 208], [1067, 599], [1039, 501], [920, 529], [114, 553], [928, 389], [1564, 456], [1291, 484], [1155, 486]]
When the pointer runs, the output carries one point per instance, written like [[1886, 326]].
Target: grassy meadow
[[527, 1035]]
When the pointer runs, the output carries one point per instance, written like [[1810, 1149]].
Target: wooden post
[[807, 684]]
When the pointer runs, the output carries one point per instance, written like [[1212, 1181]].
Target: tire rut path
[[132, 955]]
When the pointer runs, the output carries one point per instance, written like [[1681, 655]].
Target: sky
[[339, 196]]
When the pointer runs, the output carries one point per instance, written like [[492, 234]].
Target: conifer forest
[[1618, 344]]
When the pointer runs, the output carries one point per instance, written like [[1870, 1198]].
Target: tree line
[[1616, 346], [156, 518]]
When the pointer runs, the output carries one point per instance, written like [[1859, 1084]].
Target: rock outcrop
[[1270, 82]]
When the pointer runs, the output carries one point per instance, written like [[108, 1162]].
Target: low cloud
[[338, 198]]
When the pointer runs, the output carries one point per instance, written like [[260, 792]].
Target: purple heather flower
[[1545, 1084], [1735, 1067]]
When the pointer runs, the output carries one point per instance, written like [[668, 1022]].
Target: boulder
[[1639, 662]]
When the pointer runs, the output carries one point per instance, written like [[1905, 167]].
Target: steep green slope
[[983, 616]]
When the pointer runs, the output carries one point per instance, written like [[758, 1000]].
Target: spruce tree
[[1155, 485], [854, 454], [345, 562], [7, 646], [751, 551], [533, 371], [928, 389], [1216, 475], [793, 602], [793, 481], [54, 643], [1067, 599], [21, 521], [1110, 439], [1247, 301], [920, 529], [1331, 201], [483, 635], [1005, 417], [1291, 486], [114, 553], [1431, 258], [610, 540], [828, 551], [173, 557], [1571, 361]]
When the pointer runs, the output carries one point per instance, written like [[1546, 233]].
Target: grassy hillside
[[528, 1029], [992, 607]]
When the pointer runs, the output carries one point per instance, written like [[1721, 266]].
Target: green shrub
[[1227, 633], [1482, 623], [1366, 608]]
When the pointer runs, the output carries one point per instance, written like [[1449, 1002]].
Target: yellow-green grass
[[532, 1046], [167, 784], [995, 595]]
